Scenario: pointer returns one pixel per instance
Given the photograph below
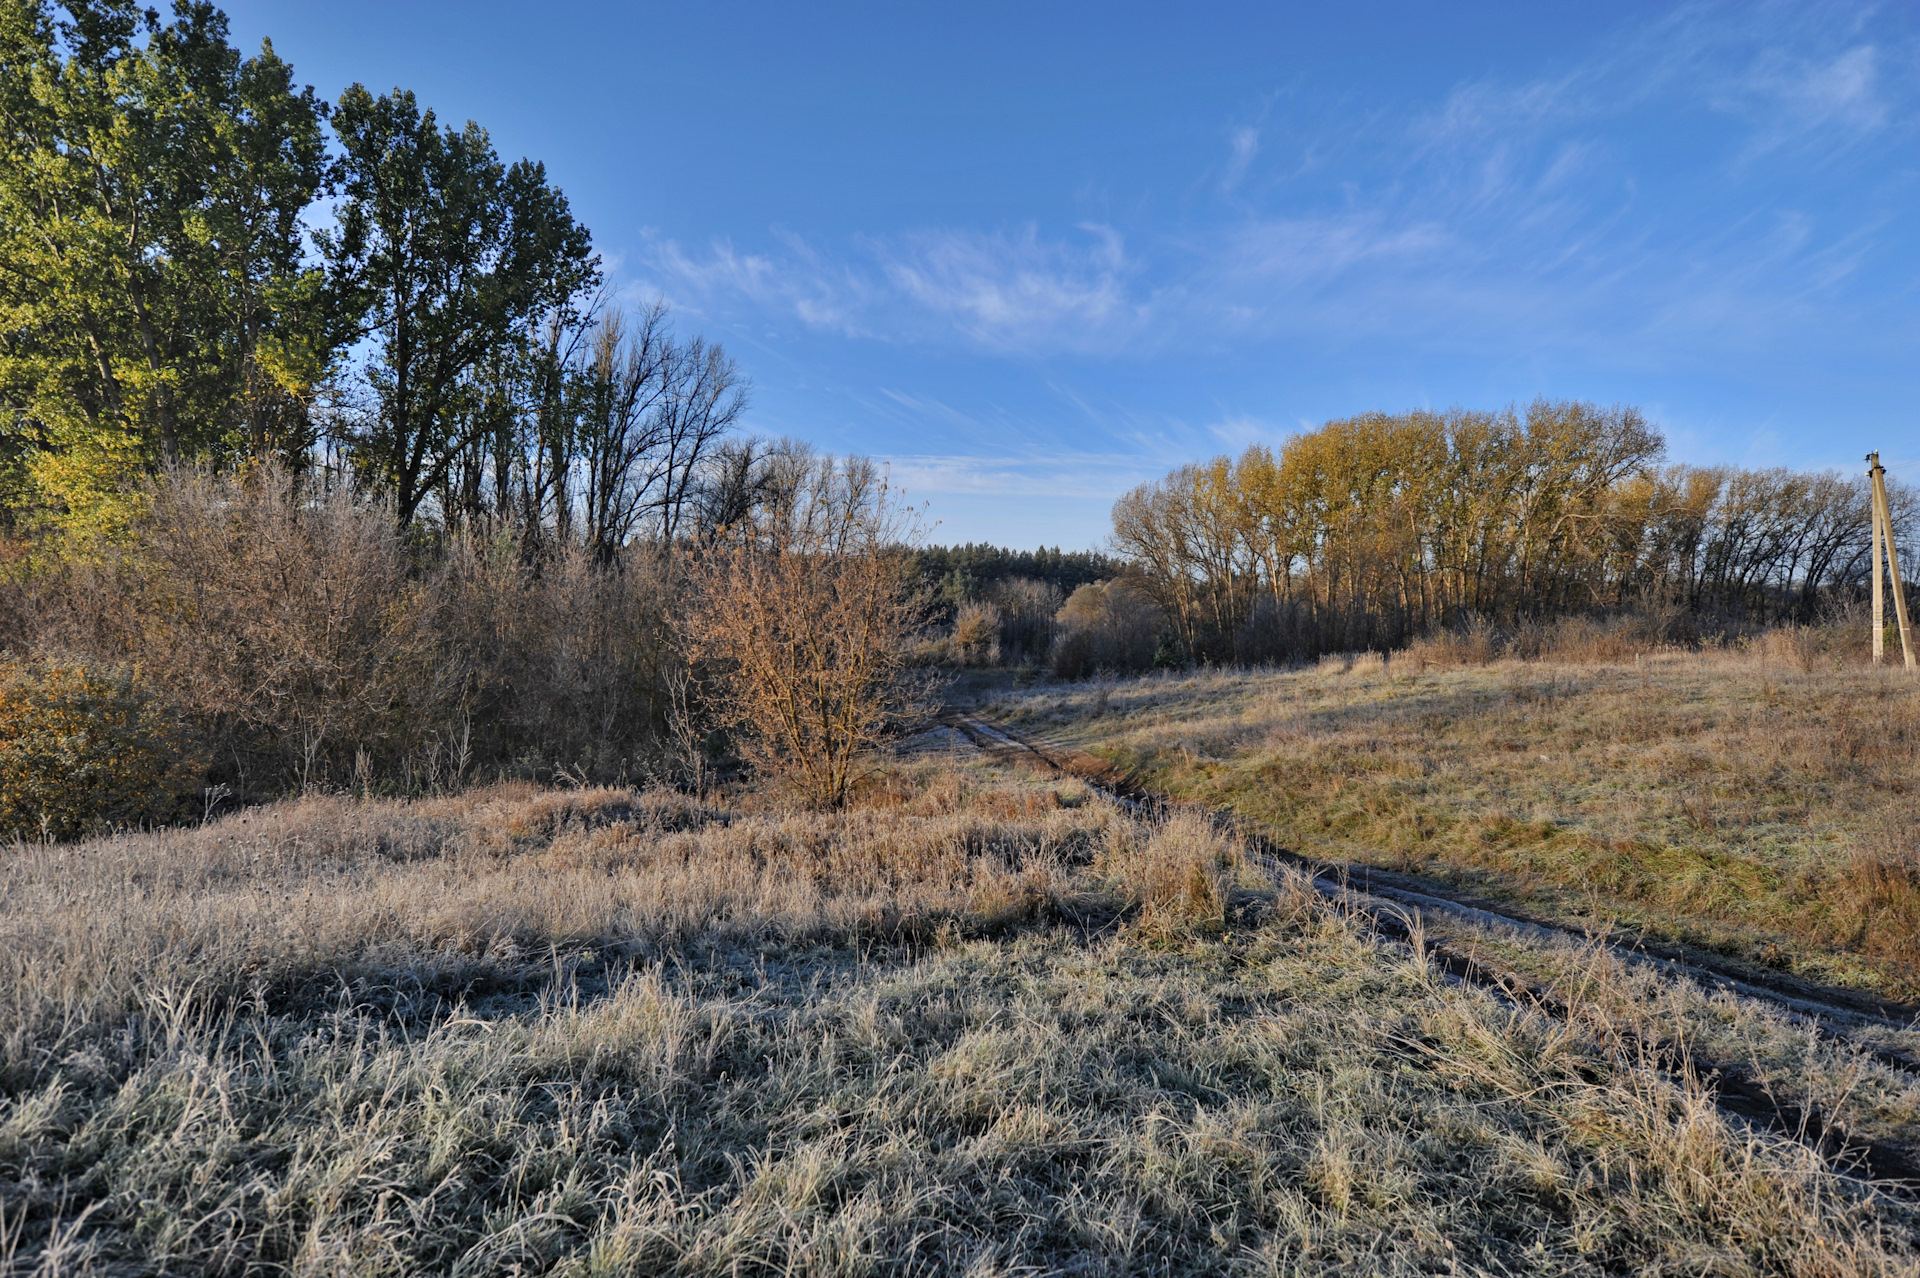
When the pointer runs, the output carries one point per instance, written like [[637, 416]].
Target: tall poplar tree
[[155, 304], [452, 256]]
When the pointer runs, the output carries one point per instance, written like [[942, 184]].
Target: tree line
[[202, 262], [1377, 528], [328, 460], [954, 575]]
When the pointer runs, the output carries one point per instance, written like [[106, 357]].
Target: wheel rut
[[1397, 906]]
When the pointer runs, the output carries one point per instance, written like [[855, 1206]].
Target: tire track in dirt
[[1396, 905]]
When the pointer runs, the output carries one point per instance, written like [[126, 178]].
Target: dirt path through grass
[[1714, 803]]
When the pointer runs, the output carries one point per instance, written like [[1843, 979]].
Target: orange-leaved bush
[[84, 747], [807, 618]]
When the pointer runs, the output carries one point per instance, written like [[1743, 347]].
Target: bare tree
[[622, 389], [702, 398], [806, 615], [737, 478], [595, 434]]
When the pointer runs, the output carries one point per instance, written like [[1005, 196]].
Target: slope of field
[[1756, 807], [984, 1023]]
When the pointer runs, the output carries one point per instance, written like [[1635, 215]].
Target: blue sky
[[1032, 255]]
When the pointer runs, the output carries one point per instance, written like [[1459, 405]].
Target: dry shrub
[[1180, 873], [1105, 626], [1588, 639], [1789, 647], [564, 663], [285, 621], [317, 647], [1354, 663], [82, 748], [976, 635], [806, 619], [1473, 644], [1843, 637]]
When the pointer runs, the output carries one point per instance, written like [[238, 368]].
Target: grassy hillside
[[980, 1024], [1759, 803]]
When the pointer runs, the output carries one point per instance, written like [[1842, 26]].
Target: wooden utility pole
[[1879, 586], [1883, 536]]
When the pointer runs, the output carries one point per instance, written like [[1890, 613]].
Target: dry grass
[[321, 898], [1758, 801], [979, 1025]]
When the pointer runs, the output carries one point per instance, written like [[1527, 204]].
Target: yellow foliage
[[82, 749], [92, 487]]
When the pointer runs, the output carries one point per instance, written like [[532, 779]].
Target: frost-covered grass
[[981, 1024]]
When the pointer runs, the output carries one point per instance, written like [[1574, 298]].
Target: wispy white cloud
[[1513, 209], [1789, 73], [1300, 250], [1085, 475], [1018, 292], [798, 281], [1246, 145], [1834, 97], [1237, 431]]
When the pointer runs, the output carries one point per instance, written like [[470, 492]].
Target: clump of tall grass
[[1180, 872]]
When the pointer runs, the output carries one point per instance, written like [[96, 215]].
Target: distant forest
[[953, 575], [1379, 528]]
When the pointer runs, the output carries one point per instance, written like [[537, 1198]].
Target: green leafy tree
[[453, 258], [155, 301]]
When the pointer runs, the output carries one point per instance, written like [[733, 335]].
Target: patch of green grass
[[1716, 800]]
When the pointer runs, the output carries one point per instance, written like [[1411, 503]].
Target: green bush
[[83, 749]]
